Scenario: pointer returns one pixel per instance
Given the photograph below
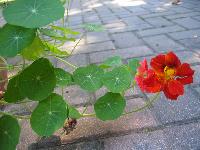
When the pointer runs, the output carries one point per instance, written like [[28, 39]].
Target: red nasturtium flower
[[167, 75]]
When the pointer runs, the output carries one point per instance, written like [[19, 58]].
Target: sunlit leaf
[[65, 30], [117, 80], [33, 51], [9, 133], [49, 115], [89, 78], [38, 80], [111, 62], [55, 50], [110, 106], [13, 39], [33, 13], [63, 78], [73, 112]]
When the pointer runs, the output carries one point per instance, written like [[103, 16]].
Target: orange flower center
[[169, 72]]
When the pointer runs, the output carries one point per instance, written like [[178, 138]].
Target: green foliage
[[117, 80], [93, 27], [73, 112], [110, 106], [112, 62], [89, 78], [133, 65], [33, 51], [13, 39], [53, 34], [33, 13], [13, 93], [49, 115], [9, 133], [66, 31], [56, 51], [63, 78], [38, 80]]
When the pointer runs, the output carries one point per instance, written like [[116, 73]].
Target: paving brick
[[185, 34], [197, 89], [188, 56], [197, 17], [115, 24], [108, 45], [76, 96], [186, 107], [188, 23], [126, 39], [183, 15], [124, 53], [180, 9], [183, 137], [78, 60], [197, 74], [156, 31], [159, 22], [93, 37], [138, 10], [144, 141], [92, 127], [158, 14], [193, 43], [162, 43]]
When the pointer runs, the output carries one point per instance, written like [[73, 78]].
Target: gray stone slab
[[159, 22], [188, 23], [183, 137], [197, 17], [124, 53], [156, 31], [197, 89], [183, 15], [188, 57], [89, 48], [126, 39], [115, 24], [185, 34], [133, 20], [193, 43], [76, 96], [186, 107], [93, 37], [162, 43], [196, 74], [158, 14], [144, 141]]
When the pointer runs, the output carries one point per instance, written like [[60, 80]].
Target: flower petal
[[143, 67], [171, 60], [158, 63], [184, 70], [173, 89]]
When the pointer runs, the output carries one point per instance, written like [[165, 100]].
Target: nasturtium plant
[[110, 106], [9, 132], [14, 39], [117, 80], [33, 13], [38, 80], [31, 34], [49, 115], [13, 93], [63, 78], [89, 77]]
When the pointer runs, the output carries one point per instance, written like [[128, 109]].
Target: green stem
[[149, 103], [15, 116], [66, 62], [76, 44]]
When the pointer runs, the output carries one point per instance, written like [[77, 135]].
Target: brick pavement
[[134, 28]]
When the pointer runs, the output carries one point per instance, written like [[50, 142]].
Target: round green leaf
[[49, 115], [110, 106], [73, 112], [117, 80], [33, 51], [133, 64], [112, 62], [89, 78], [12, 93], [38, 80], [63, 78], [9, 133], [13, 39], [33, 13]]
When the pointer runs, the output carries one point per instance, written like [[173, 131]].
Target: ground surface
[[134, 28]]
